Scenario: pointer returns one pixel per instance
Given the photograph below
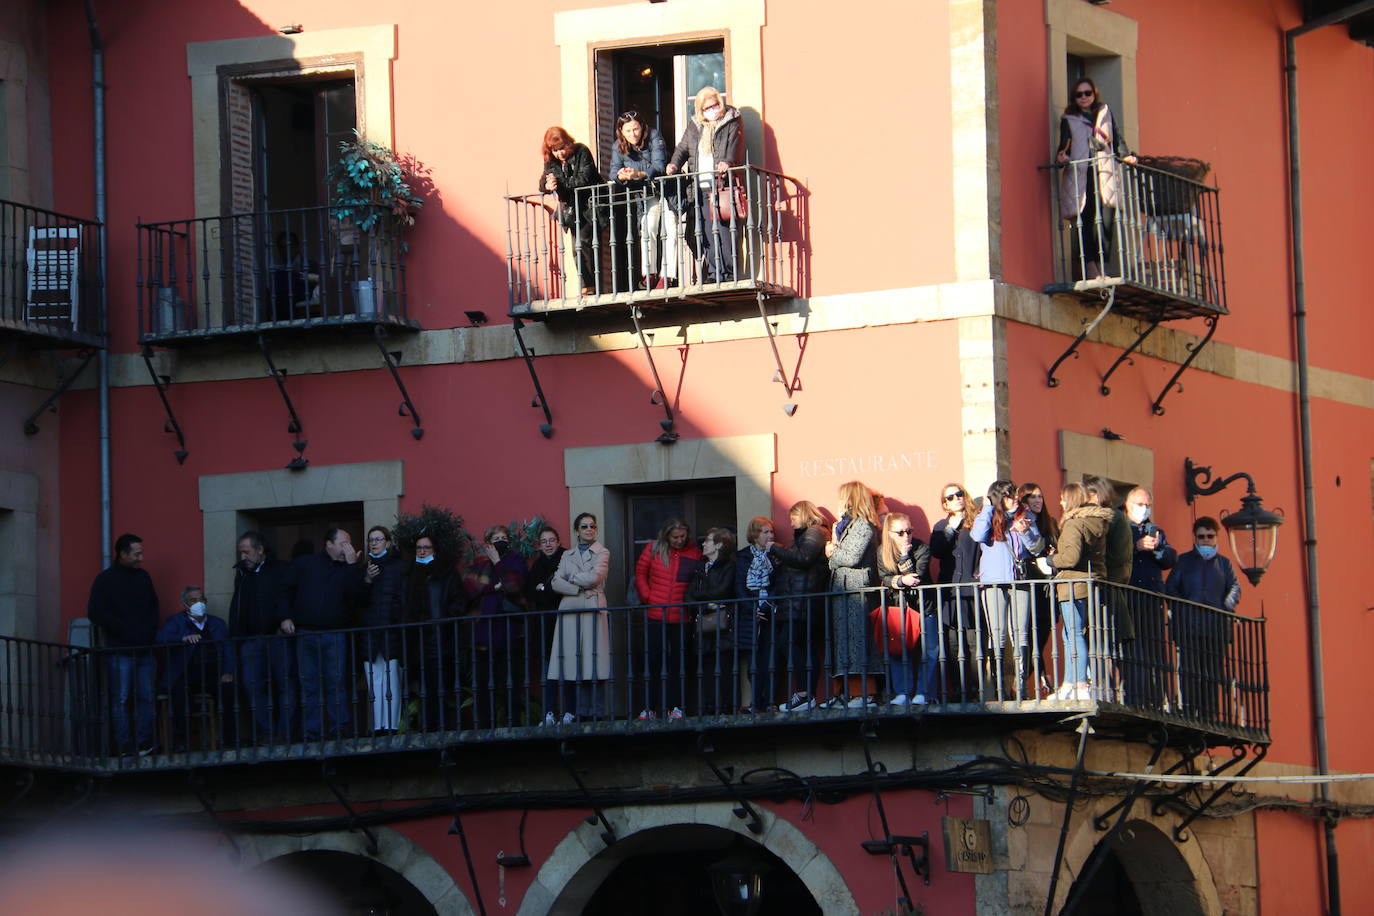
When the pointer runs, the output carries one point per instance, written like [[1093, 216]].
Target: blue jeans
[[322, 664], [267, 668], [131, 677], [901, 673], [1075, 642]]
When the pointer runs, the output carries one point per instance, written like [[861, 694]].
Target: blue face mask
[[1207, 551], [425, 561]]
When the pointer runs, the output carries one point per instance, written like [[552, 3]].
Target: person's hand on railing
[[723, 166], [1062, 158], [1129, 160], [671, 169], [191, 639], [288, 627], [910, 580]]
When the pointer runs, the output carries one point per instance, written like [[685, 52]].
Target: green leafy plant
[[443, 526], [371, 183], [524, 535]]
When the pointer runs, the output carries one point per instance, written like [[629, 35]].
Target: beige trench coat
[[582, 640]]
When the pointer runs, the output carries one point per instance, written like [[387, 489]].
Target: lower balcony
[[50, 277], [270, 271], [714, 239], [998, 657]]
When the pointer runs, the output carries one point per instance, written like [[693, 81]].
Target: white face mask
[[425, 561], [197, 609], [713, 114], [1139, 513]]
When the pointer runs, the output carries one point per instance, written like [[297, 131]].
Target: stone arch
[[579, 856], [394, 850], [1156, 864]]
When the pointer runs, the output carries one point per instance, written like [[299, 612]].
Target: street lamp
[[737, 882], [1252, 530]]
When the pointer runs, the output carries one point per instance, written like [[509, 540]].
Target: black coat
[[123, 603], [262, 599], [386, 593], [541, 573], [802, 569], [326, 591], [577, 180], [712, 582]]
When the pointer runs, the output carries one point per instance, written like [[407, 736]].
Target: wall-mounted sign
[[862, 465], [968, 845]]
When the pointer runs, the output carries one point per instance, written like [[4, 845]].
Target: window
[[297, 127], [703, 504], [299, 530]]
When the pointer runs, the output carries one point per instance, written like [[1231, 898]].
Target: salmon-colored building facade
[[912, 303]]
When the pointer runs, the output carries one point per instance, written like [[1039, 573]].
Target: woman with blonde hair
[[664, 569], [711, 144], [903, 565], [952, 543], [802, 570], [853, 561], [1080, 558]]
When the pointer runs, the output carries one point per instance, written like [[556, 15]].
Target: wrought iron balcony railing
[[50, 275], [973, 650], [1152, 235], [714, 237], [275, 269]]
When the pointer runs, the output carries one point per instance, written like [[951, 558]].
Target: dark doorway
[[298, 530], [298, 126], [1141, 871], [703, 504], [1110, 893], [357, 886]]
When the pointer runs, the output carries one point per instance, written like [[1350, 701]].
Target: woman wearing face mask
[[495, 583], [1008, 540], [1089, 145], [433, 597], [570, 172], [952, 543], [853, 561], [385, 579], [755, 631], [710, 595], [637, 157], [712, 143], [580, 664], [903, 565], [661, 576]]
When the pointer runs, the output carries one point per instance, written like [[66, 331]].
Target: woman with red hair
[[570, 172]]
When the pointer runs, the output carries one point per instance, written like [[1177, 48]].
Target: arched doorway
[[1141, 873], [355, 885]]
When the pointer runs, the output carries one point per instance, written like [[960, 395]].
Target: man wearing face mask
[[1205, 577], [199, 665], [495, 584], [1147, 657]]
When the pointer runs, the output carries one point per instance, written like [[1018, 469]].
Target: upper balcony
[[50, 275], [1149, 232], [1196, 674], [270, 271], [710, 239]]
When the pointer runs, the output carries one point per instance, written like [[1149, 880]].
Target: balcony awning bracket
[[743, 810], [455, 828], [1125, 356], [1161, 803], [1193, 350], [1103, 820], [202, 792], [893, 844], [1181, 834], [392, 358], [565, 754], [539, 400], [668, 436], [1073, 347], [329, 775], [789, 383], [300, 462], [50, 402], [162, 383]]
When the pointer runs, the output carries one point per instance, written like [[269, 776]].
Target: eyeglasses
[[1084, 94], [957, 494], [376, 539], [1205, 537], [901, 534], [420, 547], [629, 116]]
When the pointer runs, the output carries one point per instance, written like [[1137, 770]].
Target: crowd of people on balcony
[[848, 616], [658, 232]]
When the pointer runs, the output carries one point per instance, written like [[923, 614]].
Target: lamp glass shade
[[1253, 533]]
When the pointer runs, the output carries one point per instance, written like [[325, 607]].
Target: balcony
[[275, 271], [50, 275], [656, 247], [1161, 242], [1199, 673]]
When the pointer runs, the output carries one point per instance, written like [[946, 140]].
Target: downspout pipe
[[103, 364], [1309, 509]]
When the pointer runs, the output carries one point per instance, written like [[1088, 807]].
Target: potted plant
[[373, 199]]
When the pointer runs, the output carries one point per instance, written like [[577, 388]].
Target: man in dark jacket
[[1147, 657], [1204, 580], [327, 586], [261, 601], [123, 604], [198, 663]]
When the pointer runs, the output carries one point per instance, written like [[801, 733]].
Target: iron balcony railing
[[971, 650], [1153, 234], [271, 269], [50, 276], [718, 235]]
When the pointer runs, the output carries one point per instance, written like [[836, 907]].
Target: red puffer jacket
[[665, 585]]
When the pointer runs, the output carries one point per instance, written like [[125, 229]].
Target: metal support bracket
[[668, 436], [1193, 351], [545, 428], [328, 773], [1125, 357], [743, 810], [197, 782], [565, 753], [162, 383], [789, 384], [455, 828], [31, 421], [1073, 347], [1162, 802], [392, 358], [891, 844], [300, 462], [1181, 831], [1103, 820]]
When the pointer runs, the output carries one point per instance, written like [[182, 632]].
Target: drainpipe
[[1309, 508], [103, 363]]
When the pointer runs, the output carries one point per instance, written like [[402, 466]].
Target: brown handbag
[[731, 201]]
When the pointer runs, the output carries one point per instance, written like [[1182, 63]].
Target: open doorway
[[1140, 870], [299, 530]]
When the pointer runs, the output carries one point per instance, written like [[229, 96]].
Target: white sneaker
[[569, 718], [859, 703], [918, 700], [676, 713], [900, 699], [647, 714], [548, 719]]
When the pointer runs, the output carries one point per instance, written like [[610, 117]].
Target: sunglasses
[[587, 525], [1084, 94], [902, 533], [957, 494], [629, 116]]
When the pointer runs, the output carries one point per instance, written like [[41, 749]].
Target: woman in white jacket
[[579, 671]]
